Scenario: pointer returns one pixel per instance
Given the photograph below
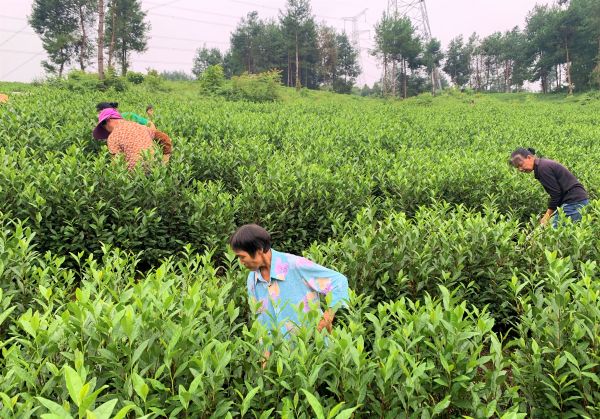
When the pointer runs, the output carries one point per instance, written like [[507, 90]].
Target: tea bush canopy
[[119, 296]]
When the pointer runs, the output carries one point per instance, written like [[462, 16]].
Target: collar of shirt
[[535, 169], [258, 276]]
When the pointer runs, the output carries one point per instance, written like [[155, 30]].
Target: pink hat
[[100, 133]]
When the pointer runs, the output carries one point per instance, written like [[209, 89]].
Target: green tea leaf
[[314, 404], [74, 384]]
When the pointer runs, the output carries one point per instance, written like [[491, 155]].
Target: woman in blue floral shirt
[[278, 281]]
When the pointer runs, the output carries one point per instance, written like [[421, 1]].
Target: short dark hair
[[251, 238], [106, 105], [149, 107], [521, 153]]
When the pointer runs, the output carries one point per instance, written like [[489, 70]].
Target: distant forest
[[558, 47]]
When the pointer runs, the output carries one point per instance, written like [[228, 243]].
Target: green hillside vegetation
[[120, 297]]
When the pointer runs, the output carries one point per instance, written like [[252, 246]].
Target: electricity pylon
[[416, 11], [356, 33]]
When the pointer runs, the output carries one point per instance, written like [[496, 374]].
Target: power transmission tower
[[416, 11], [356, 33]]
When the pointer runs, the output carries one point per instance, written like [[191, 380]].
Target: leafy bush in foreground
[[457, 311], [182, 340]]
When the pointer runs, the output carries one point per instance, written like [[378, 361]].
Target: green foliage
[[80, 81], [135, 78], [211, 80], [120, 297], [263, 87], [129, 31]]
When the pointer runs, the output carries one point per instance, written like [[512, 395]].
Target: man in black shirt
[[564, 189]]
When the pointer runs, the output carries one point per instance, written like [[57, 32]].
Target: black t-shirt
[[560, 184]]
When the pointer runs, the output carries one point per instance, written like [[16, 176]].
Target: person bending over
[[284, 278], [129, 116], [129, 138], [564, 189]]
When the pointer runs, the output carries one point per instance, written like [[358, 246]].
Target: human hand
[[267, 354], [326, 321], [544, 220]]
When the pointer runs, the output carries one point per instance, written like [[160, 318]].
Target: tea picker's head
[[149, 110], [106, 105], [107, 121], [523, 159], [252, 245]]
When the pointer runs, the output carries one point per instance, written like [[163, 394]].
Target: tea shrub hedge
[[119, 297]]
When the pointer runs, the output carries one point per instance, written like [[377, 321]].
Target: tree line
[[80, 31], [559, 47], [308, 53]]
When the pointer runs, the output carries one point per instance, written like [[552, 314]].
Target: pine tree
[[56, 23], [130, 31]]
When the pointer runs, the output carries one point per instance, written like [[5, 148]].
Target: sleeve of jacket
[[553, 188], [327, 281], [164, 140]]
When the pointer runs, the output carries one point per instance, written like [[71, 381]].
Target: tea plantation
[[120, 298]]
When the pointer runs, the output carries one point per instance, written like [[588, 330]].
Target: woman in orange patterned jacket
[[129, 138]]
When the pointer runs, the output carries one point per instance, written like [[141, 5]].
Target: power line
[[191, 40], [162, 5], [274, 8], [194, 10], [12, 17], [193, 20], [19, 32], [173, 49], [12, 36], [21, 65], [159, 62], [151, 37], [16, 51]]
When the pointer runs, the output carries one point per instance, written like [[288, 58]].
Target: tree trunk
[[507, 82], [83, 37], [123, 60], [433, 79], [544, 77], [477, 75], [112, 38], [568, 67], [297, 66], [404, 80], [62, 67], [385, 76], [393, 79], [101, 39]]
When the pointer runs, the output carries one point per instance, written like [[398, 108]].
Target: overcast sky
[[193, 22]]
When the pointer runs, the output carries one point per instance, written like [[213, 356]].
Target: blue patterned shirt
[[294, 280]]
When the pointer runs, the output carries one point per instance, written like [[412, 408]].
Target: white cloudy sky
[[180, 26]]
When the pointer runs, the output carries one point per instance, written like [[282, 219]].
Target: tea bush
[[119, 297]]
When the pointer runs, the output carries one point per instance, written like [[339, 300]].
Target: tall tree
[[457, 61], [328, 54], [86, 14], [566, 27], [347, 57], [299, 29], [206, 57], [101, 39], [56, 23], [382, 46], [540, 46], [111, 48], [245, 42], [130, 31], [432, 58]]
